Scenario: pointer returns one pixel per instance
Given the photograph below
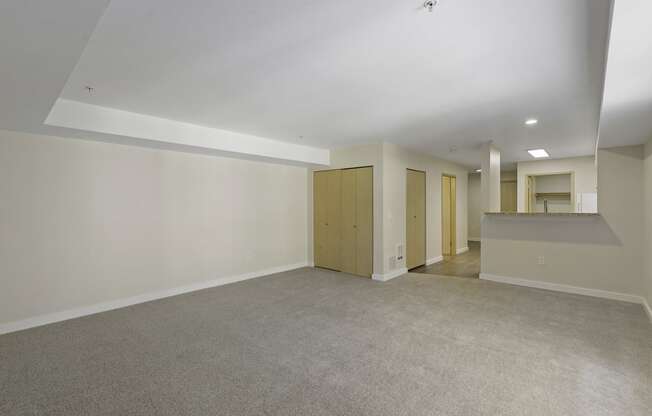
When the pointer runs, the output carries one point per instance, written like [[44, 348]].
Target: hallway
[[463, 265]]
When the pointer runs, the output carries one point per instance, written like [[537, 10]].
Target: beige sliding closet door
[[349, 232], [343, 220], [448, 215], [357, 221], [415, 219], [327, 218], [364, 221]]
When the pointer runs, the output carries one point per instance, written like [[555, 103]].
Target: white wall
[[85, 222], [396, 161], [583, 169], [390, 164], [599, 252], [647, 250], [120, 123], [474, 206], [554, 183]]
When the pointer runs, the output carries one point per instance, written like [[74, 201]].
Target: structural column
[[490, 179]]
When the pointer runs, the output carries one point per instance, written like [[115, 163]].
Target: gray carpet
[[312, 342]]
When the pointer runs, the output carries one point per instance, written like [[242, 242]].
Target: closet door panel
[[453, 209], [415, 219], [446, 215], [410, 219], [420, 223], [320, 218], [334, 219], [348, 244], [364, 221]]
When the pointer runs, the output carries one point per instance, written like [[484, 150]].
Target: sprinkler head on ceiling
[[429, 4]]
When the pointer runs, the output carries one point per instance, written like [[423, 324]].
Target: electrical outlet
[[542, 260]]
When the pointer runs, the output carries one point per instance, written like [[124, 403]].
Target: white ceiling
[[336, 73], [40, 43], [342, 72], [627, 109]]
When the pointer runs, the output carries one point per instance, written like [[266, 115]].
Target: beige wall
[[509, 175], [85, 222], [583, 168], [396, 161], [351, 157], [647, 194], [600, 252], [474, 206], [390, 163]]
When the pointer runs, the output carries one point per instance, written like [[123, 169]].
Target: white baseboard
[[625, 297], [390, 275], [462, 250], [648, 309], [147, 297], [434, 260], [477, 239]]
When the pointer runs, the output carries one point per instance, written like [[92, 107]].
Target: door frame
[[453, 214], [425, 219]]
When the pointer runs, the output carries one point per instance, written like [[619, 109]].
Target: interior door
[[327, 218], [508, 196], [453, 211], [446, 216], [415, 219]]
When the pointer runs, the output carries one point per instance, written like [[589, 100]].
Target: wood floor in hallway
[[462, 265]]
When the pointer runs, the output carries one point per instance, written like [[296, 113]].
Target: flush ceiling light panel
[[538, 153], [531, 122]]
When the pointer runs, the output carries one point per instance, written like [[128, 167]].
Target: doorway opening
[[455, 261], [551, 193]]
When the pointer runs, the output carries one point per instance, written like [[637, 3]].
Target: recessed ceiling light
[[531, 122], [538, 153], [478, 170]]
